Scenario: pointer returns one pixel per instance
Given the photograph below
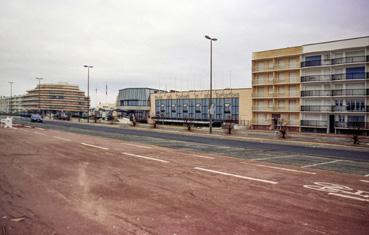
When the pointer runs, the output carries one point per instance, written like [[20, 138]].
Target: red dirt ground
[[62, 187]]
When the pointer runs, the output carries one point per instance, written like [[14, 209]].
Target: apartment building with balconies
[[276, 88], [334, 86]]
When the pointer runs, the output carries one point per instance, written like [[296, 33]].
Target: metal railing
[[342, 60], [314, 123], [350, 92], [352, 125], [316, 108]]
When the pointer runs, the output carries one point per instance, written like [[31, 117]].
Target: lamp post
[[11, 98], [39, 94], [88, 90], [211, 83]]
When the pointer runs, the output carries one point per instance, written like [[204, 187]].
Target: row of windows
[[224, 108], [133, 103]]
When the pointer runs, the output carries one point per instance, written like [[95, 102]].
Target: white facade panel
[[335, 45]]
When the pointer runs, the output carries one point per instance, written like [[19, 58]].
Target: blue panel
[[355, 73]]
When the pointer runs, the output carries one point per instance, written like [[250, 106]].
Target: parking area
[[56, 182]]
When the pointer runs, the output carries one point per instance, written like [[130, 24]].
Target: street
[[62, 182]]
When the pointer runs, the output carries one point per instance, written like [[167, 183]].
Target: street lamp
[[11, 97], [39, 94], [211, 83], [88, 90]]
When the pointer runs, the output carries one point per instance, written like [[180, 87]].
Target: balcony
[[352, 125], [350, 92], [314, 123], [259, 82], [335, 77], [316, 108], [348, 108], [262, 95], [316, 93], [262, 109], [336, 61]]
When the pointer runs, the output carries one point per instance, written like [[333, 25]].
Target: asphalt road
[[347, 154]]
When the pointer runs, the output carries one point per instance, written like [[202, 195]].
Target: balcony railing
[[316, 108], [262, 109], [352, 125], [350, 92], [341, 92], [262, 95], [314, 123], [316, 93], [335, 77], [343, 60]]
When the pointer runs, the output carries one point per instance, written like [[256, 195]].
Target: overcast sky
[[158, 43]]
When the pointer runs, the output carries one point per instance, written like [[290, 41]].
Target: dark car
[[36, 118]]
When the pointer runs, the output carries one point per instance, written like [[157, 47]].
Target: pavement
[[63, 182]]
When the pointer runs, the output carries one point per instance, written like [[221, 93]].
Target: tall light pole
[[88, 90], [211, 83], [39, 94], [11, 97]]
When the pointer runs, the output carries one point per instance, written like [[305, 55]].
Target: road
[[337, 153], [58, 182]]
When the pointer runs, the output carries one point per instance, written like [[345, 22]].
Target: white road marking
[[139, 146], [365, 181], [28, 126], [61, 138], [322, 163], [95, 146], [39, 128], [144, 157], [268, 158], [237, 176], [39, 133], [351, 197], [366, 175], [201, 156], [281, 168]]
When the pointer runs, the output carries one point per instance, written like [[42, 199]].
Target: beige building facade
[[230, 105], [52, 98], [276, 88]]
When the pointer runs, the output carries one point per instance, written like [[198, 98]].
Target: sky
[[158, 44]]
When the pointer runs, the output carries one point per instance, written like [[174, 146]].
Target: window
[[174, 108], [198, 108], [185, 108], [162, 108], [227, 108], [355, 73]]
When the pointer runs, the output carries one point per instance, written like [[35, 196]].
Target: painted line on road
[[351, 197], [39, 128], [365, 181], [237, 176], [366, 175], [61, 138], [139, 146], [95, 146], [28, 126], [201, 156], [268, 158], [39, 133], [281, 168], [144, 157], [322, 163]]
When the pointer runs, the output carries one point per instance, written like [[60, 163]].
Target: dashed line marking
[[366, 175], [139, 146], [237, 176], [268, 158], [39, 128], [365, 181], [201, 156], [322, 163], [28, 126], [281, 168], [61, 138], [145, 157], [95, 146], [347, 196], [39, 133]]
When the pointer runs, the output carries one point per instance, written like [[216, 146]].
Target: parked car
[[36, 118]]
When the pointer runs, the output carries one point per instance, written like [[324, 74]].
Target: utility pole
[[11, 98], [39, 94], [88, 90], [211, 83]]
